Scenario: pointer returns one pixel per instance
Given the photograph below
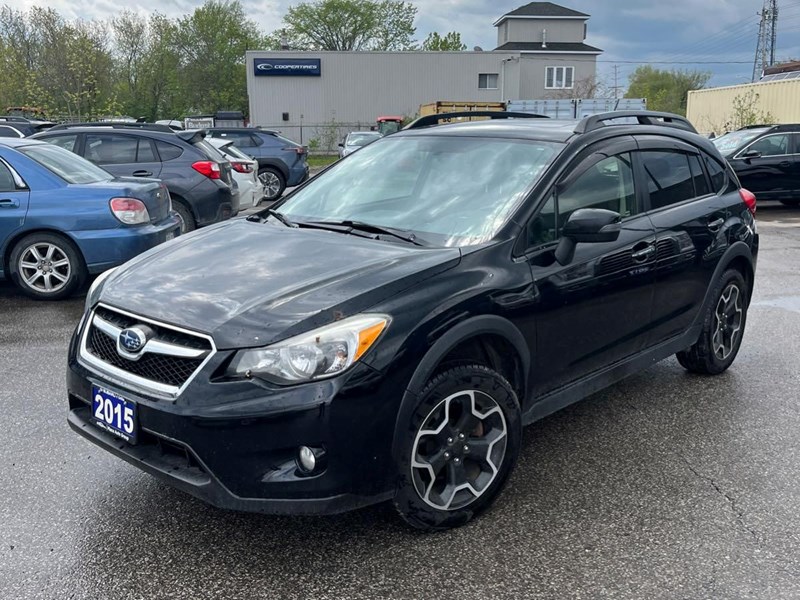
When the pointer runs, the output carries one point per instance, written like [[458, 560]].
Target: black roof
[[544, 9], [551, 47]]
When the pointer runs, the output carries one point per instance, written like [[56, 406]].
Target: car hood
[[250, 284]]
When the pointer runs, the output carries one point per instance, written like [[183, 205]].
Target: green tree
[[443, 43], [665, 90], [212, 42], [348, 25]]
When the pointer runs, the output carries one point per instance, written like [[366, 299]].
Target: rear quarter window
[[168, 151], [718, 174]]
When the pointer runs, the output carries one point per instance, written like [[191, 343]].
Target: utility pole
[[616, 82], [767, 38]]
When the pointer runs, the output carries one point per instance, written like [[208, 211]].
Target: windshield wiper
[[379, 230], [280, 217]]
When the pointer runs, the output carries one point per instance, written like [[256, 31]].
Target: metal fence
[[320, 138]]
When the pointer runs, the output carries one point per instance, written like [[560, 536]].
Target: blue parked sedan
[[63, 218]]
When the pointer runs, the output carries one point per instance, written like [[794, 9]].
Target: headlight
[[93, 295], [320, 353]]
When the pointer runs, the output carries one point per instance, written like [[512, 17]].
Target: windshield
[[234, 152], [361, 139], [70, 167], [730, 142], [451, 191]]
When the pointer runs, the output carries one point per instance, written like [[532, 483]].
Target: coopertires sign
[[287, 67]]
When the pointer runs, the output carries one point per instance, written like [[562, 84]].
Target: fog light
[[306, 459]]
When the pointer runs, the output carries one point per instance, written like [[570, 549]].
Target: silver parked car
[[355, 140]]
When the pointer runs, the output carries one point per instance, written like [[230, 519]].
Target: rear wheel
[[273, 181], [792, 203], [187, 218], [723, 328], [458, 449], [47, 266]]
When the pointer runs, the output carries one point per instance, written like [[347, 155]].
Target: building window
[[487, 81], [505, 31], [559, 78]]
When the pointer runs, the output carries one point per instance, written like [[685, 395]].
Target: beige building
[[715, 109], [541, 53]]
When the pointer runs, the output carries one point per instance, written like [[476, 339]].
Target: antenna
[[767, 38]]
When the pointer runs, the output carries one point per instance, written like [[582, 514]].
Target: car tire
[[273, 181], [187, 218], [723, 328], [792, 203], [47, 266], [443, 480]]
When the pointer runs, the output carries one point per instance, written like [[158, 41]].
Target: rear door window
[[6, 179], [145, 152], [719, 180], [698, 176], [668, 177]]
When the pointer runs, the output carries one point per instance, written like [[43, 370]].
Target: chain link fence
[[321, 138]]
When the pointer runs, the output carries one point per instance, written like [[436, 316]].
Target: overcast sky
[[659, 31]]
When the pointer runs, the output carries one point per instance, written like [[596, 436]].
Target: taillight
[[242, 167], [295, 149], [130, 211], [208, 168], [749, 198]]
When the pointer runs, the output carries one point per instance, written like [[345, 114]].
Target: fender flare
[[275, 164], [472, 327], [736, 250]]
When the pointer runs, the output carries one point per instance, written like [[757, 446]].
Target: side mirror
[[752, 154], [587, 226]]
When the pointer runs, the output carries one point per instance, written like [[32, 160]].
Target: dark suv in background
[[197, 176], [766, 159], [281, 162], [389, 327]]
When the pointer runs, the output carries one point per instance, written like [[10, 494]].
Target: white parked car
[[356, 140], [244, 170]]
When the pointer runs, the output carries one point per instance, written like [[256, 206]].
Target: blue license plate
[[114, 414]]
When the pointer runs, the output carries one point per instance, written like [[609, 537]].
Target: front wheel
[[723, 328], [47, 266], [459, 447]]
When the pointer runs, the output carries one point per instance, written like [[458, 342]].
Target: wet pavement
[[666, 485]]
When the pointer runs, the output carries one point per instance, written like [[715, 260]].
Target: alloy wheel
[[272, 185], [458, 450], [728, 322], [44, 267]]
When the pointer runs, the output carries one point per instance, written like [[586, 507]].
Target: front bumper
[[233, 444]]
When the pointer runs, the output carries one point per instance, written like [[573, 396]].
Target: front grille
[[162, 368]]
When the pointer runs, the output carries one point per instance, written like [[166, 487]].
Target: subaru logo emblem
[[132, 340]]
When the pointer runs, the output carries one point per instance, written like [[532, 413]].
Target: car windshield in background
[[210, 152], [736, 139], [70, 167], [451, 191], [362, 140], [234, 152]]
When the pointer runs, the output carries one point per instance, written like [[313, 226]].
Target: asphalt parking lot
[[664, 486]]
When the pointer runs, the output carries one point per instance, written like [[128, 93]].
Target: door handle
[[142, 173], [716, 224], [9, 203], [644, 254], [785, 164]]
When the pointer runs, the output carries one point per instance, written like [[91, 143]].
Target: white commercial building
[[540, 53]]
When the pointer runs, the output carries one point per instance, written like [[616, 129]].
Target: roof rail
[[644, 117], [430, 120], [115, 125]]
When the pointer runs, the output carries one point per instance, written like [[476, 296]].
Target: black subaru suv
[[387, 329], [766, 158], [197, 176]]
